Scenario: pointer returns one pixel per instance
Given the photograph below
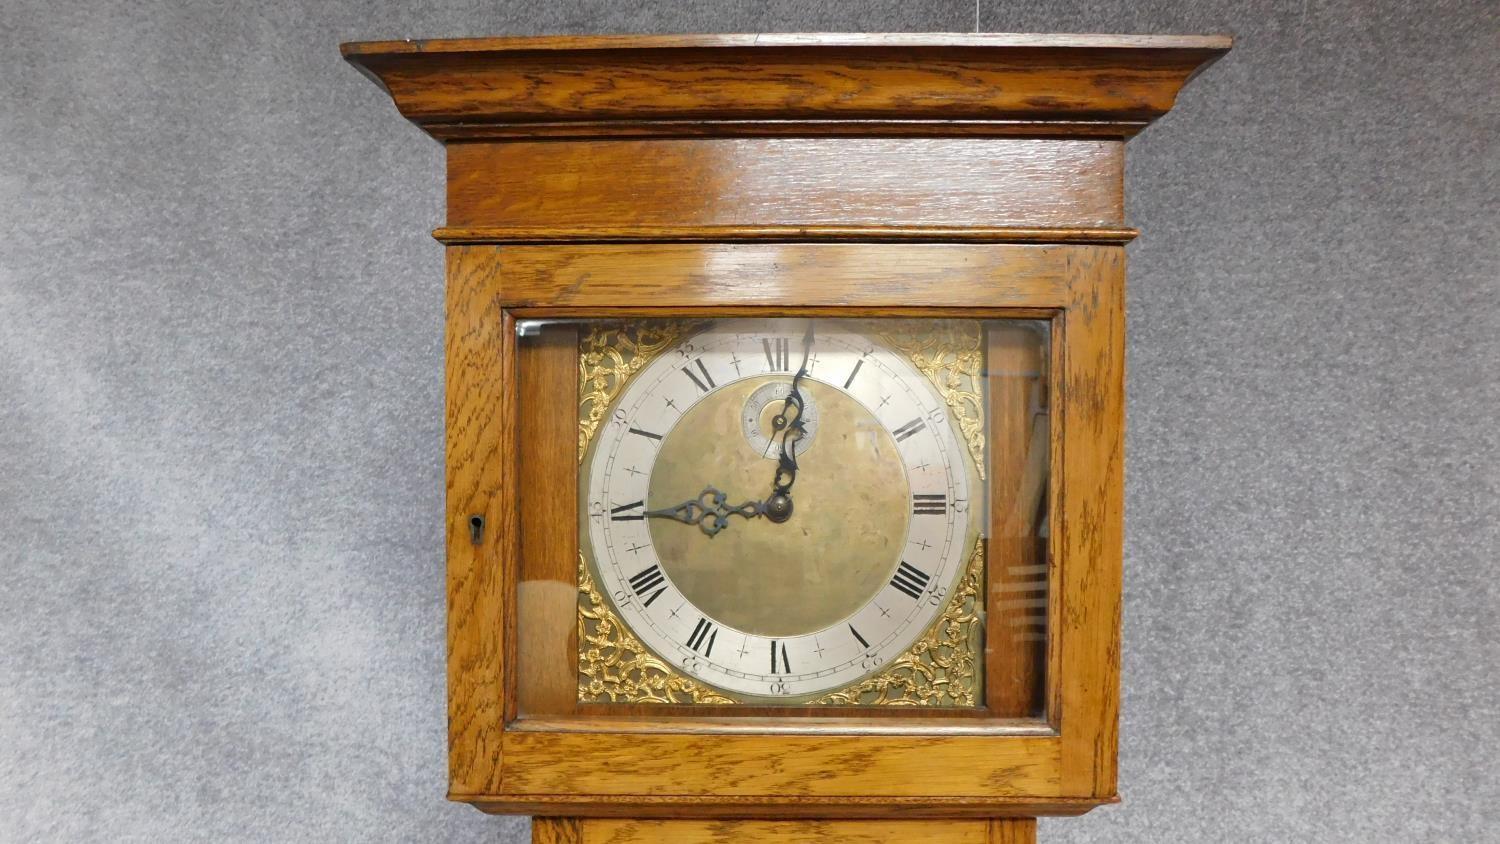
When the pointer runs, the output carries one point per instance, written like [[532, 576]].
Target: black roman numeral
[[909, 428], [688, 371], [645, 433], [850, 379], [778, 357], [704, 632], [621, 514], [929, 504], [910, 579], [861, 639], [780, 648], [647, 580]]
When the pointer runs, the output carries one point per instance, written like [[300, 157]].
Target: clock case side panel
[[1088, 539], [635, 766], [482, 537]]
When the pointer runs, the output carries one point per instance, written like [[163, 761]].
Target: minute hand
[[778, 507]]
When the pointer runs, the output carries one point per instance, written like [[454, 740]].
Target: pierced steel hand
[[709, 511], [778, 507]]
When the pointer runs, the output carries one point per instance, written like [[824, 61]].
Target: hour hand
[[709, 511]]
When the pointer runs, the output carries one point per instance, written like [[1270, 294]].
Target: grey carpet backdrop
[[221, 603]]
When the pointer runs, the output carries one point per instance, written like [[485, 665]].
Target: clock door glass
[[807, 511]]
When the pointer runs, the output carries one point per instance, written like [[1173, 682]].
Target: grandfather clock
[[784, 426]]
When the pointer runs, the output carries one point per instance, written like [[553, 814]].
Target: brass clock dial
[[778, 508]]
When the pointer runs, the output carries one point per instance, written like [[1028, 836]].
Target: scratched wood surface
[[1088, 533], [804, 182]]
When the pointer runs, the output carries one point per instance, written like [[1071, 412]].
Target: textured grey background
[[221, 433]]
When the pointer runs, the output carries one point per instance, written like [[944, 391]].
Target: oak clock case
[[792, 511], [784, 425]]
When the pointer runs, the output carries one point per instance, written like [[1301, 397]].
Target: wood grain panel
[[837, 765], [456, 235], [635, 831], [480, 462], [730, 806], [1123, 81], [547, 591], [1088, 536], [556, 831], [1013, 831], [766, 720], [1115, 128], [683, 276], [1015, 624], [891, 182]]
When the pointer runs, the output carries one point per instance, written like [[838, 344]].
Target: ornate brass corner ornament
[[942, 668], [949, 353], [607, 357], [613, 665]]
